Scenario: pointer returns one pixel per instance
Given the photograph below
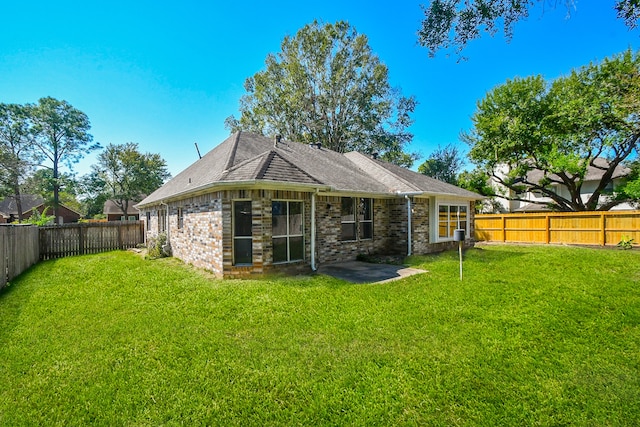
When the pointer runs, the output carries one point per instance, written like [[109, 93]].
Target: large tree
[[41, 183], [17, 156], [560, 129], [127, 174], [444, 164], [454, 23], [327, 86], [62, 136]]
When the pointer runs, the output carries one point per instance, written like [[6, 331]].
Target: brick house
[[30, 204], [253, 205], [113, 212]]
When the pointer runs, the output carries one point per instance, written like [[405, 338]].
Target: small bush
[[158, 247], [625, 243]]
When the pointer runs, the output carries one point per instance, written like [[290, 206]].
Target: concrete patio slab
[[364, 272]]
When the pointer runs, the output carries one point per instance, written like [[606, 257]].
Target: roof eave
[[222, 185]]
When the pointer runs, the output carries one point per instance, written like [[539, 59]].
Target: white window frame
[[289, 235], [450, 204]]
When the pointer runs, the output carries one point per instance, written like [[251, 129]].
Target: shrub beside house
[[254, 205]]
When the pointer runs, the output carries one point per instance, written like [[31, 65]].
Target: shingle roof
[[29, 201], [110, 207], [594, 173], [247, 158]]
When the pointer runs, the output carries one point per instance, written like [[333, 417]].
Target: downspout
[[313, 231], [408, 224]]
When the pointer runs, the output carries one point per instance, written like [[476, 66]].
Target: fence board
[[19, 250], [89, 238], [581, 228]]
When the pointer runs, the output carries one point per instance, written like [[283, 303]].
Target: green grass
[[532, 336]]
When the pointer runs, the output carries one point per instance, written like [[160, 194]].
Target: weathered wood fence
[[19, 250], [79, 239], [581, 228]]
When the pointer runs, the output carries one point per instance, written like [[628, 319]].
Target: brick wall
[[205, 239]]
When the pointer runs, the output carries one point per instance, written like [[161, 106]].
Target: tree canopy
[[444, 164], [327, 86], [560, 129], [124, 174], [454, 23], [17, 154], [61, 134]]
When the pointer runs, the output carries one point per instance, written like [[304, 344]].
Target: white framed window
[[131, 218], [287, 227], [450, 217], [356, 218], [242, 232], [148, 221]]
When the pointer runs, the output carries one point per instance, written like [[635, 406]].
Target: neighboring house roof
[[246, 158], [594, 173], [9, 206], [111, 208]]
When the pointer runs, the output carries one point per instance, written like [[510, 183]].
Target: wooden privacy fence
[[79, 239], [581, 228], [18, 250]]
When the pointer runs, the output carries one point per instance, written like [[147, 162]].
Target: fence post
[[504, 228], [548, 228], [603, 230]]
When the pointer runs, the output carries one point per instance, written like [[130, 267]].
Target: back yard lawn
[[533, 336]]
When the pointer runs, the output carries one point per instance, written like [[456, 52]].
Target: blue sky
[[165, 74]]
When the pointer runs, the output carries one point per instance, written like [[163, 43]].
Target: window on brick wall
[[365, 218], [162, 220], [287, 221], [242, 232], [450, 217], [180, 218], [348, 219], [356, 218], [148, 221]]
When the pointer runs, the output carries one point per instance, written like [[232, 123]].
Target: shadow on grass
[[477, 254]]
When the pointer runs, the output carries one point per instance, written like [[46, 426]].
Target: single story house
[[254, 205], [114, 213], [536, 201], [30, 204]]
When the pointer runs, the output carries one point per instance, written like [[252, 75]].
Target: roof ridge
[[244, 163], [383, 169], [232, 152], [285, 157], [264, 165]]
